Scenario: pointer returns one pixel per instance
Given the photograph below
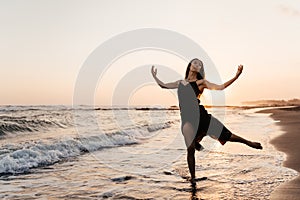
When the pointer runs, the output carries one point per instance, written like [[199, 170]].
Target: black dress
[[191, 111]]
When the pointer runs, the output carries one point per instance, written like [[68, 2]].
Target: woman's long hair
[[200, 75]]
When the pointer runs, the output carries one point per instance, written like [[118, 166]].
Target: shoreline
[[289, 121]]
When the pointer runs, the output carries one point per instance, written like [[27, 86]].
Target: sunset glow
[[42, 52]]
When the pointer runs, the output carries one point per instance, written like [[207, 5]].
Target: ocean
[[83, 152]]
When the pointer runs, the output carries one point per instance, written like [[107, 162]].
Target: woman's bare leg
[[235, 138], [189, 136], [217, 126], [191, 161]]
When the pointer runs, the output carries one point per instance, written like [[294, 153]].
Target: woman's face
[[196, 65]]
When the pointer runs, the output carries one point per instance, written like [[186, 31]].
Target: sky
[[44, 44]]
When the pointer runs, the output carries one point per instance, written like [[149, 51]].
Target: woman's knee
[[191, 149], [188, 133]]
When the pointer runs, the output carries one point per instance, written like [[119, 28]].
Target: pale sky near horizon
[[45, 42]]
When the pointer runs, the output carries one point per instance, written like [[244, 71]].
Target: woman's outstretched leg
[[235, 138], [218, 131]]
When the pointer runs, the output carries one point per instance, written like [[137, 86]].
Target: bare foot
[[255, 145]]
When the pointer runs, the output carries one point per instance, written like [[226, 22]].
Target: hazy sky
[[45, 42]]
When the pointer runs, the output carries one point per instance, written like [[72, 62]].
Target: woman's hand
[[213, 86], [239, 71], [172, 85], [153, 71]]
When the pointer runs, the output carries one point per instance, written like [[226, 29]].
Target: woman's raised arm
[[213, 86], [172, 85]]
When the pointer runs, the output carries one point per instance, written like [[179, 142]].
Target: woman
[[196, 122]]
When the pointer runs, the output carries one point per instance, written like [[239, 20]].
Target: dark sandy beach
[[289, 120]]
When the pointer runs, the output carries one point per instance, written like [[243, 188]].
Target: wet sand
[[289, 143]]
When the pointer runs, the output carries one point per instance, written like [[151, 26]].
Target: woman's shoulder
[[183, 81]]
